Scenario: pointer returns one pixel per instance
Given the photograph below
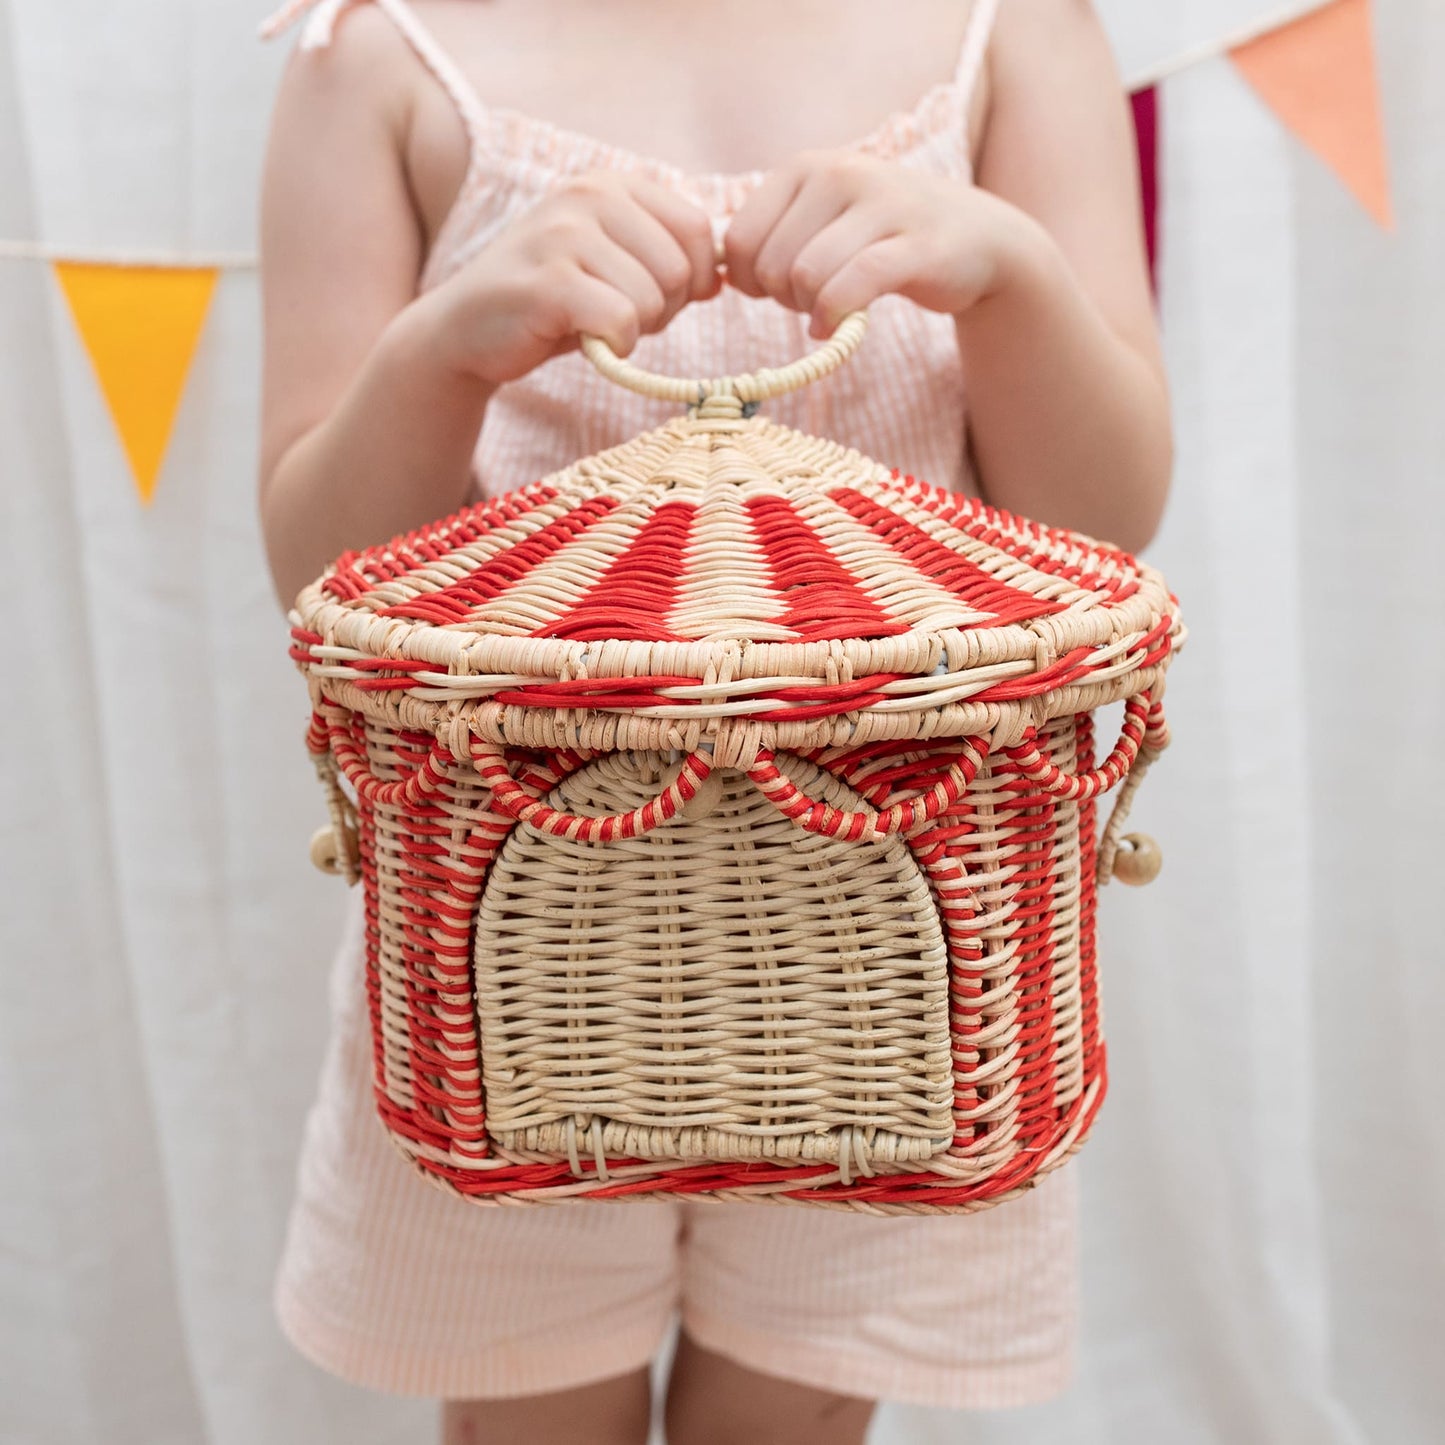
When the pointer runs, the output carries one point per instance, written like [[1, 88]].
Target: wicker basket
[[725, 810]]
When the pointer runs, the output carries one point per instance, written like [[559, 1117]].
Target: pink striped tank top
[[900, 400]]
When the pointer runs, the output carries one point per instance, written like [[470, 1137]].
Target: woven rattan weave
[[725, 810]]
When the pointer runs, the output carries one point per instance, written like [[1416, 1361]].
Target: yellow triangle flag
[[1318, 76], [140, 325]]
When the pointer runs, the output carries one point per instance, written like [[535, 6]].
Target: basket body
[[732, 1006], [805, 919]]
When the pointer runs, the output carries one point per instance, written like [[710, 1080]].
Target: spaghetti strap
[[975, 46], [317, 34], [321, 24]]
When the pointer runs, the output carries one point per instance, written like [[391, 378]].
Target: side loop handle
[[1144, 858], [335, 846], [1080, 787], [749, 387], [1142, 738]]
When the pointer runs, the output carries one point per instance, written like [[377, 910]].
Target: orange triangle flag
[[1318, 76], [140, 325]]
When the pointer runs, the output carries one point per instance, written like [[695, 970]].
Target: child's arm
[[1042, 264], [373, 397], [1070, 410]]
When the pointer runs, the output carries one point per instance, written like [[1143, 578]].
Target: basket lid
[[724, 566]]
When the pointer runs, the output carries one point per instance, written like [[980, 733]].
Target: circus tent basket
[[725, 810]]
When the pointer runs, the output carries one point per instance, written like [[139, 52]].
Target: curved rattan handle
[[751, 386], [862, 825]]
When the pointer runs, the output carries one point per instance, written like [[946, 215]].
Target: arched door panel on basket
[[722, 986]]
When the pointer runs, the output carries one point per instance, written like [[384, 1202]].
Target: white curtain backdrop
[[1265, 1194]]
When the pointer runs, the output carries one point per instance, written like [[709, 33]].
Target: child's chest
[[704, 89]]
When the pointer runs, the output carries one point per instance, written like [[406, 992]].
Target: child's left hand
[[834, 230]]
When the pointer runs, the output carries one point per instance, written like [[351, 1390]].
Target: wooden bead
[[325, 854], [323, 849], [709, 792], [1138, 860], [707, 797]]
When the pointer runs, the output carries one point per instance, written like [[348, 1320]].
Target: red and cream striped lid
[[723, 566]]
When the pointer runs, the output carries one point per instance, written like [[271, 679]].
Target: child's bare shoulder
[[365, 70], [1049, 56], [1028, 24]]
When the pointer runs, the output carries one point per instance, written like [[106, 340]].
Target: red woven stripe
[[366, 818], [1093, 1043], [358, 572], [1032, 907], [1045, 548], [964, 579], [456, 602], [638, 693], [633, 597], [594, 692], [822, 599]]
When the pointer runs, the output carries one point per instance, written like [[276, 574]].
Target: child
[[680, 181]]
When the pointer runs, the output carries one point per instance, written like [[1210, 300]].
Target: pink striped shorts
[[391, 1283]]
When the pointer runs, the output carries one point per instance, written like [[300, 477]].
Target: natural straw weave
[[725, 809]]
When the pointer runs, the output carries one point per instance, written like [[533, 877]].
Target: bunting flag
[[140, 326], [1146, 129], [1317, 74]]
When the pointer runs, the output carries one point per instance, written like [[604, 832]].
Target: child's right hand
[[607, 253]]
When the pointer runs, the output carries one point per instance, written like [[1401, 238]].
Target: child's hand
[[608, 253], [834, 230]]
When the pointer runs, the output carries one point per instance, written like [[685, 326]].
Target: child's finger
[[689, 225], [877, 270], [596, 308], [816, 205], [753, 223], [617, 267], [640, 233], [828, 251]]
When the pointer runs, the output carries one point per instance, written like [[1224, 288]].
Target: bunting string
[[1224, 45], [141, 259]]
